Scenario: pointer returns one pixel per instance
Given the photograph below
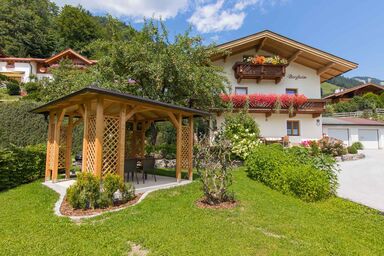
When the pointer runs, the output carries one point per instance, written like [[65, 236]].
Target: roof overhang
[[152, 109], [326, 65]]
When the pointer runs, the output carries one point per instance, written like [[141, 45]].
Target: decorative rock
[[165, 163], [350, 157]]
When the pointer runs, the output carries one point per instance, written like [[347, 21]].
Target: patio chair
[[130, 166], [149, 166]]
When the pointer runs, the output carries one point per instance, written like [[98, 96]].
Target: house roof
[[69, 52], [51, 59], [326, 64], [355, 88], [350, 121], [91, 92]]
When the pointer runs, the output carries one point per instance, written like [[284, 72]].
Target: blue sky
[[352, 29]]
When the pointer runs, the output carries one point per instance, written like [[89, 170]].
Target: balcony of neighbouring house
[[275, 103]]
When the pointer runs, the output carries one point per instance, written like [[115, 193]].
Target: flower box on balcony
[[246, 70]]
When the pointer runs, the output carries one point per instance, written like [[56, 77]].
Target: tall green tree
[[76, 27], [25, 27]]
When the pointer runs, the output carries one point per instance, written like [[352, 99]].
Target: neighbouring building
[[359, 90], [301, 73], [349, 129], [22, 69]]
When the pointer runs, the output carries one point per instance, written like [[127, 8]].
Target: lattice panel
[[133, 142], [62, 146], [185, 147], [110, 144], [91, 144]]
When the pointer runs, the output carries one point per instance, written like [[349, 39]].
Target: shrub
[[85, 193], [19, 165], [293, 171], [242, 131], [358, 145], [13, 88], [332, 146], [89, 192], [214, 167], [352, 150]]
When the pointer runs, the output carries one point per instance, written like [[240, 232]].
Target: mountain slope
[[328, 88]]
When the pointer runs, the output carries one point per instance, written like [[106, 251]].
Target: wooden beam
[[77, 122], [81, 109], [131, 112], [294, 56], [178, 146], [87, 114], [324, 69], [68, 149], [49, 145], [260, 45], [121, 157], [268, 114], [173, 119], [56, 144], [315, 115], [99, 137], [190, 148]]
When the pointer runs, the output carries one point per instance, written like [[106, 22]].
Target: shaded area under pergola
[[107, 139]]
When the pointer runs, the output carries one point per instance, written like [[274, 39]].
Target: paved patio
[[362, 181]]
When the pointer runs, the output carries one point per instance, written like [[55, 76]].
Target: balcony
[[274, 103], [246, 70]]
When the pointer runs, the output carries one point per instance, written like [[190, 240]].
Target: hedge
[[20, 165], [20, 127], [293, 171]]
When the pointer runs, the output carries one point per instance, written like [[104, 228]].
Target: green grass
[[328, 88], [168, 223], [5, 97]]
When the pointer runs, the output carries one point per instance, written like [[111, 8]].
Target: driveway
[[362, 181]]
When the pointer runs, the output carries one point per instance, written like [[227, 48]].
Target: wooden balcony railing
[[245, 70], [312, 106]]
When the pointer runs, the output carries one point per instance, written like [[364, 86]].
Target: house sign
[[296, 77]]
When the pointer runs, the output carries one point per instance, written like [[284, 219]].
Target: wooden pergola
[[107, 139]]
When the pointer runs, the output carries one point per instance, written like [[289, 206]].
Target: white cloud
[[214, 17], [136, 9]]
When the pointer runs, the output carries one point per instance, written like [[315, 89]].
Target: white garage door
[[369, 138], [341, 134]]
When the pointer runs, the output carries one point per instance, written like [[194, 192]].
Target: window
[[293, 128], [291, 91], [241, 90]]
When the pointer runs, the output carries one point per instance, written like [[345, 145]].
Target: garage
[[340, 133], [352, 129], [369, 138]]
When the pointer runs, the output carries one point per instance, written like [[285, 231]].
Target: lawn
[[168, 223]]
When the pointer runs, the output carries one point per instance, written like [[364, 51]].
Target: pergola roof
[[326, 64], [151, 109]]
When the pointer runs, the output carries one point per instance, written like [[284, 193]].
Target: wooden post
[[121, 156], [133, 142], [99, 137], [190, 148], [56, 144], [68, 149], [142, 139], [87, 113], [49, 146], [178, 147]]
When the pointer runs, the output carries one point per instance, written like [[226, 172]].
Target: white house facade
[[24, 69], [302, 74]]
